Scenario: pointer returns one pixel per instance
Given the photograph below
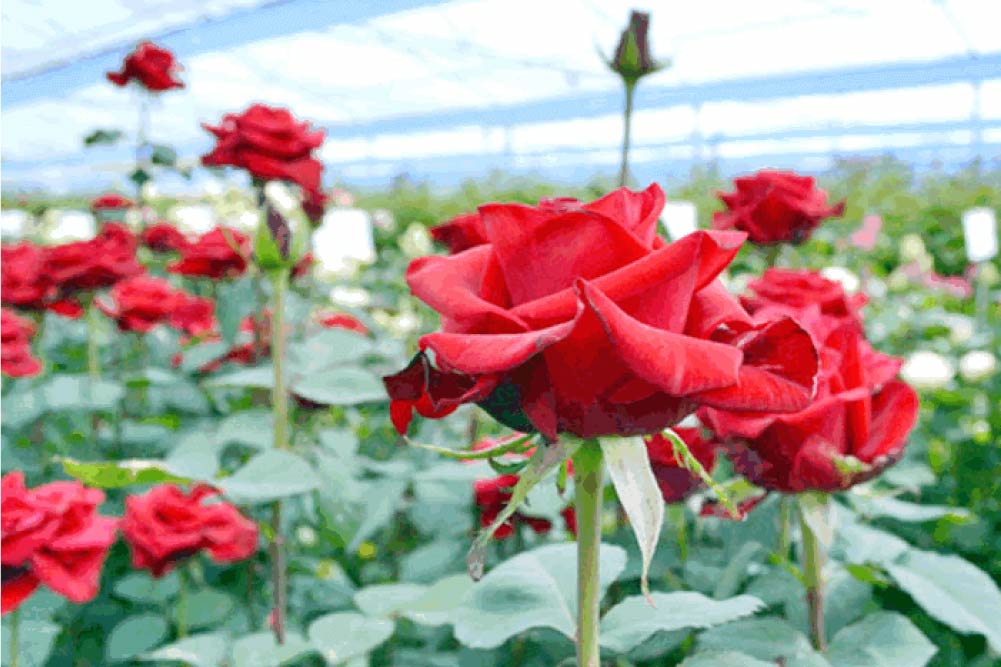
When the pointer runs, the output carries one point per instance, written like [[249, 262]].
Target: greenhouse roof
[[452, 89]]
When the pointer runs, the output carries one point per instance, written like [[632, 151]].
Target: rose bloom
[[799, 289], [675, 481], [99, 262], [856, 426], [581, 320], [26, 283], [775, 207], [194, 315], [270, 144], [163, 237], [16, 359], [52, 535], [140, 303], [219, 253], [111, 200], [466, 231], [151, 66], [166, 525]]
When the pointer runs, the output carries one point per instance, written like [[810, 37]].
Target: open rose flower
[[219, 253], [775, 207], [271, 145], [581, 320], [163, 237], [52, 535], [856, 426], [165, 525], [798, 289], [25, 281], [675, 481], [467, 231], [151, 66], [140, 303], [194, 315], [99, 262], [16, 359]]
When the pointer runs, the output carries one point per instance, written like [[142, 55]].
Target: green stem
[[93, 353], [588, 472], [676, 512], [813, 564], [772, 255], [141, 164], [279, 406], [182, 603], [785, 519], [15, 648], [627, 118]]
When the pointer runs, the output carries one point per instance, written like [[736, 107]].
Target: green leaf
[[204, 650], [439, 602], [953, 591], [195, 357], [861, 544], [253, 428], [135, 635], [388, 599], [629, 469], [383, 496], [163, 155], [35, 640], [535, 589], [256, 377], [724, 659], [116, 474], [79, 392], [633, 621], [882, 639], [766, 638], [140, 177], [345, 385], [325, 348], [236, 300], [261, 650], [345, 635], [205, 607], [141, 587], [901, 510], [269, 476], [99, 137]]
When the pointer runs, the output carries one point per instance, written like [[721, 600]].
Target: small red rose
[[151, 66], [165, 525], [16, 359], [163, 237], [798, 289], [140, 303], [219, 253], [99, 262], [52, 535], [775, 207], [194, 315]]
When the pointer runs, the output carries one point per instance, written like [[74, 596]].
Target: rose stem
[[772, 255], [93, 354], [588, 471], [627, 118], [279, 406], [813, 563], [182, 602], [785, 518], [15, 649]]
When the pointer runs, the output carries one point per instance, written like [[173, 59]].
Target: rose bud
[[775, 207], [633, 59], [52, 535]]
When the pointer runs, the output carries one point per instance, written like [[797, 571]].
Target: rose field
[[715, 418]]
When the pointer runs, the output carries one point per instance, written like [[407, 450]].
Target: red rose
[[270, 144], [194, 315], [25, 281], [775, 207], [52, 535], [342, 321], [219, 253], [856, 426], [584, 321], [111, 200], [677, 482], [799, 289], [16, 359], [151, 66], [140, 303], [314, 204], [163, 237], [466, 231], [166, 525], [99, 262]]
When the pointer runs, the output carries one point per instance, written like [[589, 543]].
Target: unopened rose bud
[[633, 59]]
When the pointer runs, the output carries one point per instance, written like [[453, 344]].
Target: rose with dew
[[165, 526], [581, 320], [775, 207], [52, 535], [151, 66]]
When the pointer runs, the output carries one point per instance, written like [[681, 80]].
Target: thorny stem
[[279, 406], [588, 472], [627, 119], [813, 564]]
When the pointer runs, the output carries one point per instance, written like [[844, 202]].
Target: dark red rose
[[163, 237], [466, 231], [140, 303], [166, 525], [194, 315], [52, 535], [16, 359], [152, 66], [99, 262], [775, 207], [677, 482], [219, 253], [111, 200], [583, 321], [23, 279], [333, 320], [422, 388], [856, 426], [798, 289], [314, 204], [270, 144]]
